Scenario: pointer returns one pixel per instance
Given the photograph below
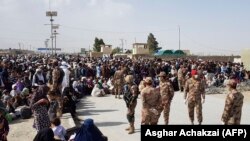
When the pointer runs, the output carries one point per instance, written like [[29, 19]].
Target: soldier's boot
[[116, 96], [128, 128], [119, 97], [199, 123], [192, 122], [132, 129]]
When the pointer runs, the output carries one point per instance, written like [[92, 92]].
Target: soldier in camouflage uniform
[[167, 94], [130, 96], [151, 101], [57, 78], [181, 79], [194, 96], [233, 105], [118, 82]]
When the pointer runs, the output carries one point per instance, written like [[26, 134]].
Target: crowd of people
[[51, 85]]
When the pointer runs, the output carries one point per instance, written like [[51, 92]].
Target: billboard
[[44, 49]]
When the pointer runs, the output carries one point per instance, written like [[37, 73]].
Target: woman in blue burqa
[[89, 132]]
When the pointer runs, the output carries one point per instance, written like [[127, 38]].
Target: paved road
[[109, 115]]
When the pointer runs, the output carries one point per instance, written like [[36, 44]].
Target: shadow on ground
[[92, 112], [19, 120], [103, 124]]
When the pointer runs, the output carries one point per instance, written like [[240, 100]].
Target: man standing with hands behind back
[[194, 96], [167, 94], [233, 105]]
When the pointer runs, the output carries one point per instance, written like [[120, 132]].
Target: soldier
[[57, 78], [151, 102], [118, 82], [167, 94], [233, 105], [181, 79], [194, 96], [130, 97]]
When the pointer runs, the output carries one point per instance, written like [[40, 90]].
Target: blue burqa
[[89, 132]]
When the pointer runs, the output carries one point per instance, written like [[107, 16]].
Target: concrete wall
[[140, 49], [106, 49], [96, 54], [204, 58]]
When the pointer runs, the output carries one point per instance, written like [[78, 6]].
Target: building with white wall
[[140, 48]]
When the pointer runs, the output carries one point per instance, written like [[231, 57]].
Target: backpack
[[61, 76], [82, 72], [25, 112]]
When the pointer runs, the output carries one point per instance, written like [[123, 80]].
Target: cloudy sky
[[207, 26]]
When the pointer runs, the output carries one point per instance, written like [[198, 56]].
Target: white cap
[[64, 63]]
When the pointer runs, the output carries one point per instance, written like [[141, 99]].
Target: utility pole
[[179, 38], [51, 20], [46, 45], [19, 44], [122, 44], [55, 33], [126, 44]]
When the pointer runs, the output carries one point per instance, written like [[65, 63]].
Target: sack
[[8, 118], [25, 113]]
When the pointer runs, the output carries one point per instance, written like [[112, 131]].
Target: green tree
[[97, 44], [152, 43], [116, 50]]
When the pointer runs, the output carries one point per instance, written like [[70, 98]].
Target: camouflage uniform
[[151, 101], [167, 94], [118, 83], [56, 86], [130, 97], [233, 107], [181, 80], [194, 90], [55, 77]]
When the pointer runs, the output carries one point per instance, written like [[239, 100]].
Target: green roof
[[164, 52], [179, 52], [169, 52]]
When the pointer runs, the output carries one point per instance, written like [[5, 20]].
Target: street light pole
[[46, 45], [51, 20], [51, 14], [55, 33]]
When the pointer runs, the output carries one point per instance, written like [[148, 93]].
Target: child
[[53, 105], [59, 131]]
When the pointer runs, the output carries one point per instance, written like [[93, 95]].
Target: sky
[[207, 27]]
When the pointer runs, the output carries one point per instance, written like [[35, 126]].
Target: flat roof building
[[140, 48]]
